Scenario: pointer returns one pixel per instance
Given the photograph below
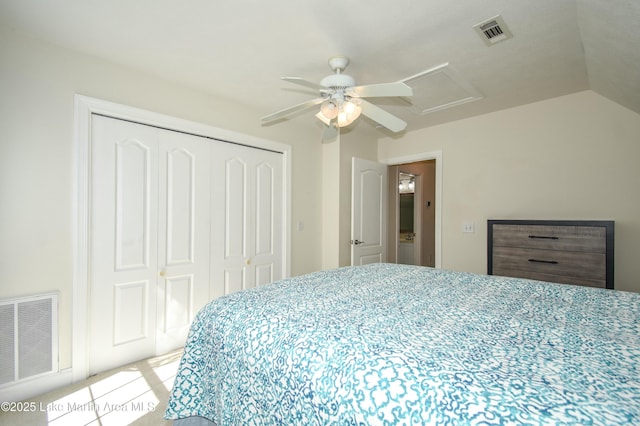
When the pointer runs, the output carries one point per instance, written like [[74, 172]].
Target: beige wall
[[38, 82], [572, 157]]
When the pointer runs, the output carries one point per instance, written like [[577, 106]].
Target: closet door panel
[[246, 242], [230, 220], [267, 258], [183, 234], [234, 279], [264, 274], [180, 207], [130, 306], [264, 207], [122, 290], [235, 214], [150, 231], [178, 303], [132, 199]]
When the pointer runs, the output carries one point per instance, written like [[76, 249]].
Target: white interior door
[[149, 248], [124, 220], [247, 211], [368, 212], [183, 235]]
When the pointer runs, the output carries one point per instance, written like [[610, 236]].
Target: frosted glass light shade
[[349, 112], [346, 112], [329, 109]]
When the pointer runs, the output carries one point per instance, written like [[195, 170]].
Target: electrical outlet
[[468, 227]]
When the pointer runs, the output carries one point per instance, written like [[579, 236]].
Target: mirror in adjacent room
[[406, 212], [406, 189]]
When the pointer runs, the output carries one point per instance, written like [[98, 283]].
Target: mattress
[[400, 344]]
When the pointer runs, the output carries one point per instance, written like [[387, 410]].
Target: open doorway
[[412, 213]]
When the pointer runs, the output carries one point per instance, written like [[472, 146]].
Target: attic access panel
[[439, 88]]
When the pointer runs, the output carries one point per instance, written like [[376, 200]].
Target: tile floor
[[135, 394]]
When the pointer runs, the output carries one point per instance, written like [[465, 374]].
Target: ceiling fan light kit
[[343, 112], [329, 109], [341, 101]]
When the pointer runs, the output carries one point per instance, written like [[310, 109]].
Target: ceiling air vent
[[493, 30]]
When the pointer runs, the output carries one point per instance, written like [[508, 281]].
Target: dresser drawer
[[562, 251], [565, 263], [547, 237], [563, 279]]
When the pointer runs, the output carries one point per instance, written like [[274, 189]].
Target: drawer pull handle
[[553, 262], [541, 237]]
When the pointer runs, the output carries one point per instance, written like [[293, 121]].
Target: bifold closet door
[[183, 235], [149, 243], [246, 208]]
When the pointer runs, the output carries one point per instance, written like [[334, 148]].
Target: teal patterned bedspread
[[395, 344]]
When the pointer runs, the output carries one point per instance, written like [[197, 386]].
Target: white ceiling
[[240, 49]]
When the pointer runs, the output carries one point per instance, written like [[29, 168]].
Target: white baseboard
[[29, 388]]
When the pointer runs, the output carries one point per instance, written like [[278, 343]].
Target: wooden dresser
[[562, 251]]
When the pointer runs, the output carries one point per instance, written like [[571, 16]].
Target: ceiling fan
[[341, 101]]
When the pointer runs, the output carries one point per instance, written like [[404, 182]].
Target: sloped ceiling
[[238, 50]]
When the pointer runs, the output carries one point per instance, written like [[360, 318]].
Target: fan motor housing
[[338, 81]]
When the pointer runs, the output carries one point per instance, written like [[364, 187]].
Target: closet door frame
[[85, 107]]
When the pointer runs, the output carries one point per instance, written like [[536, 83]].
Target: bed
[[398, 344]]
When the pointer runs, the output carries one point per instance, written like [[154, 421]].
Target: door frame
[[84, 108], [437, 156]]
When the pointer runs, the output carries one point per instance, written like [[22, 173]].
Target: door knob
[[163, 272], [357, 242]]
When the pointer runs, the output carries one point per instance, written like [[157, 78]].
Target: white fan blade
[[305, 83], [380, 90], [382, 117], [287, 111], [331, 133]]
